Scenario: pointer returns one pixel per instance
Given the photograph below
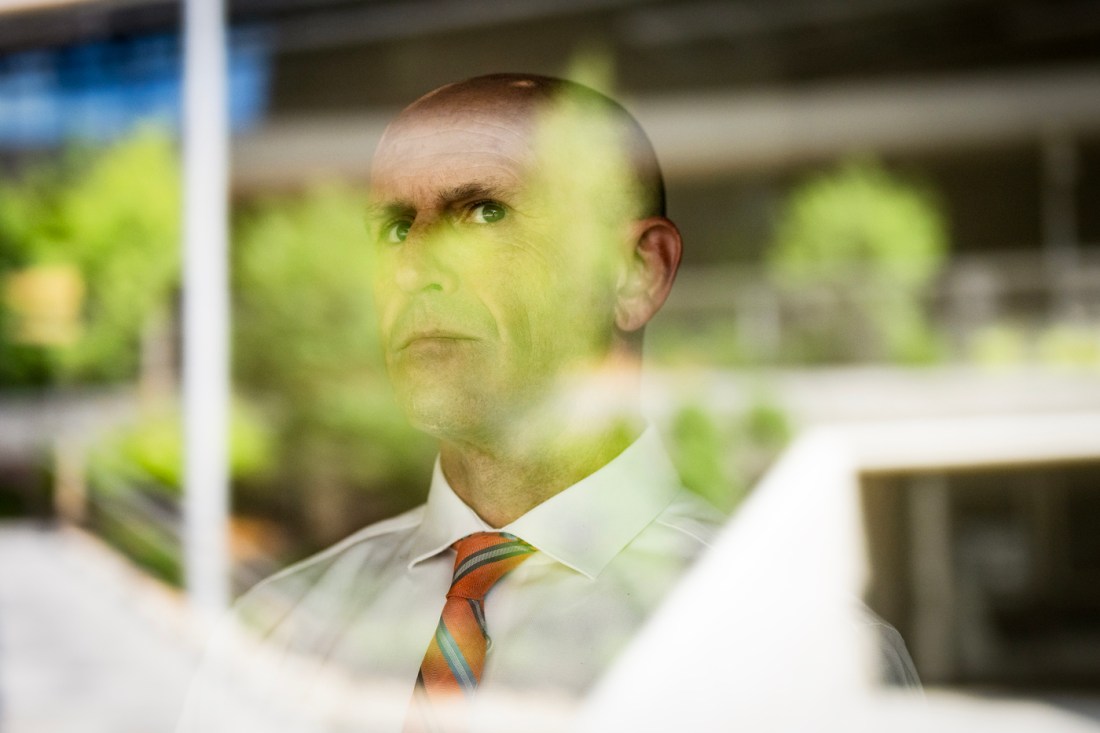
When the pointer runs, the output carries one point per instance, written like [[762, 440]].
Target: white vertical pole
[[205, 305]]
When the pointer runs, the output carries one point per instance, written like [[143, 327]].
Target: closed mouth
[[434, 336]]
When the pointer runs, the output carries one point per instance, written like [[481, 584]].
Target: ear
[[647, 279]]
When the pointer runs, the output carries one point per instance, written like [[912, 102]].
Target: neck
[[503, 484]]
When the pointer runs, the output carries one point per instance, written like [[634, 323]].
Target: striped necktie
[[455, 659]]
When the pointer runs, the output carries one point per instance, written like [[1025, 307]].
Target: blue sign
[[98, 91]]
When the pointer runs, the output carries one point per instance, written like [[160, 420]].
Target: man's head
[[522, 246]]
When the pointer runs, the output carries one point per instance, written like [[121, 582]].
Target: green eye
[[397, 231], [487, 213]]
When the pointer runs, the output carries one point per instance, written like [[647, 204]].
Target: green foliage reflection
[[720, 457], [308, 351]]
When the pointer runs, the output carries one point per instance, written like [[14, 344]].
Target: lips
[[421, 322], [431, 335]]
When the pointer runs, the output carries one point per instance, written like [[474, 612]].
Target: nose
[[422, 262]]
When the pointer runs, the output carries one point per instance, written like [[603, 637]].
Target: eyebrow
[[465, 192], [378, 211], [446, 199]]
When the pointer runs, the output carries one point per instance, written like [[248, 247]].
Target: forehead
[[441, 148]]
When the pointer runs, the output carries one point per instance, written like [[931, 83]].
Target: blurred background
[[890, 214]]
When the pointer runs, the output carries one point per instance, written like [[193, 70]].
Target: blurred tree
[[855, 248], [308, 350], [89, 249]]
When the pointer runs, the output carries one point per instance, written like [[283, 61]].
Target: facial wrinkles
[[428, 190], [458, 135], [448, 244], [459, 311], [524, 274]]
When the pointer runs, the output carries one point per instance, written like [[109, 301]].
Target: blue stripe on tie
[[490, 555], [479, 614], [455, 660], [488, 552]]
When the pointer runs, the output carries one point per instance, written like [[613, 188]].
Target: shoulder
[[679, 534], [693, 517], [329, 572], [379, 532]]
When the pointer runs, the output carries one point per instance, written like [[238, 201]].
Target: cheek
[[551, 295], [383, 293], [568, 315]]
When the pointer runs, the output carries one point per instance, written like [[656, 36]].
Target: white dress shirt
[[340, 636]]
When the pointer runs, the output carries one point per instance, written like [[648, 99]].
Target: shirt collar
[[584, 526], [447, 519]]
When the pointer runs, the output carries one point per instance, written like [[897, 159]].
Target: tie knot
[[482, 559]]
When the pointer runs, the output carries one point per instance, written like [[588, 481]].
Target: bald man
[[520, 247]]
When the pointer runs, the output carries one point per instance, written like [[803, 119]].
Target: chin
[[443, 414]]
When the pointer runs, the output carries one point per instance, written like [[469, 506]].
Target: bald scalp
[[526, 96]]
